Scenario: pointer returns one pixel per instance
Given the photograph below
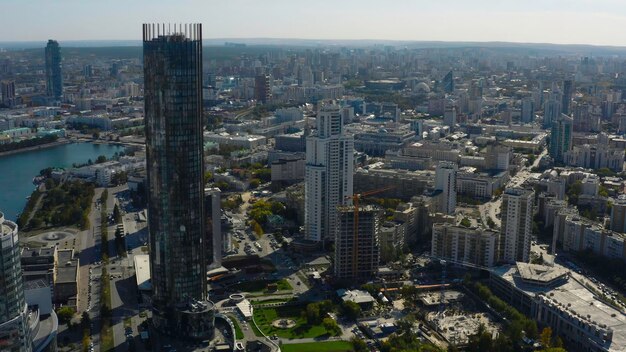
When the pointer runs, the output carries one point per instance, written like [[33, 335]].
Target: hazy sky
[[542, 21]]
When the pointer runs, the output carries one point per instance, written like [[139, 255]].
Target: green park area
[[238, 332], [308, 322], [262, 286], [64, 204], [330, 346]]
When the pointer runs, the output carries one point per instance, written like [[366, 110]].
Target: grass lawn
[[106, 336], [256, 331], [272, 300], [261, 285], [265, 316], [331, 346], [238, 331]]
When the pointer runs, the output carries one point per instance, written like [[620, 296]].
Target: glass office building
[[174, 153], [54, 76]]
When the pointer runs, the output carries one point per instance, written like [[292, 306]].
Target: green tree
[[65, 314], [254, 183], [350, 310], [358, 344], [208, 177], [546, 337], [117, 214], [85, 320], [466, 222], [312, 313], [257, 228], [331, 326], [573, 192]]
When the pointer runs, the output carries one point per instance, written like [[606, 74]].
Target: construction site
[[457, 317]]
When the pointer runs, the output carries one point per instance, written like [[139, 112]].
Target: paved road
[[89, 284], [124, 292]]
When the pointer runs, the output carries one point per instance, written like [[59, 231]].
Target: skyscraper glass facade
[[14, 330], [174, 153], [54, 77]]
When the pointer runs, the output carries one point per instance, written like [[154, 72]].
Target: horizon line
[[332, 40]]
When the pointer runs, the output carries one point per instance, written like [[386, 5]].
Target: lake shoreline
[[35, 147], [21, 166]]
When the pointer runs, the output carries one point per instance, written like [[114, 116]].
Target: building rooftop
[[356, 296], [47, 332], [245, 308], [540, 273], [573, 298], [33, 284], [67, 269], [142, 272]]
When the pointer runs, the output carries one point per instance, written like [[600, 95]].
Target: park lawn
[[272, 300], [330, 346], [238, 331], [261, 285], [265, 316]]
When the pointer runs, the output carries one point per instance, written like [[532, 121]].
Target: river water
[[17, 170]]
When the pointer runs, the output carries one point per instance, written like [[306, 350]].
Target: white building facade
[[516, 230], [328, 175]]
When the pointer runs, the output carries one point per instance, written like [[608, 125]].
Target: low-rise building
[[288, 169], [400, 184], [248, 141], [468, 245], [580, 234], [480, 185], [377, 142], [555, 297], [38, 264], [66, 278]]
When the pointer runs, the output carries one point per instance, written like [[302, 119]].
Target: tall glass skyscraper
[[54, 77], [174, 153], [14, 328]]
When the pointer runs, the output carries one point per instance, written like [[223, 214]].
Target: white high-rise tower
[[516, 230], [15, 334], [329, 174], [445, 181]]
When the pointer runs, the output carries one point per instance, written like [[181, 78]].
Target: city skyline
[[479, 21]]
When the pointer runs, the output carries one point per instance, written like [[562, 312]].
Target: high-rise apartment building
[[15, 334], [551, 111], [461, 244], [262, 89], [445, 181], [449, 115], [568, 91], [618, 216], [516, 230], [561, 137], [7, 93], [357, 249], [528, 110], [328, 175], [448, 82], [175, 170], [54, 76], [214, 241]]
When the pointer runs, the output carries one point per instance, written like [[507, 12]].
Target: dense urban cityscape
[[183, 194]]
